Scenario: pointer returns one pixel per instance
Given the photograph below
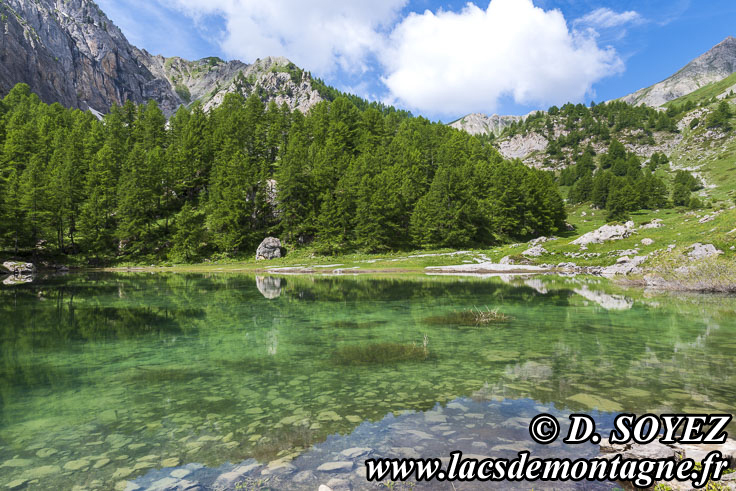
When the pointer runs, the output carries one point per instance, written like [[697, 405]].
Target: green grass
[[706, 93]]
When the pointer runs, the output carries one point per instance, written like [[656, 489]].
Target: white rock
[[656, 223], [624, 266], [535, 251], [647, 242], [702, 251], [604, 234]]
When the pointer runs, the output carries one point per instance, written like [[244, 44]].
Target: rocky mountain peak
[[69, 51], [482, 124], [715, 65]]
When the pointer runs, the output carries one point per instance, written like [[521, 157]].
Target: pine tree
[[189, 238], [97, 219]]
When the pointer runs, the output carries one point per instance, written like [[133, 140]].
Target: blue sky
[[443, 59]]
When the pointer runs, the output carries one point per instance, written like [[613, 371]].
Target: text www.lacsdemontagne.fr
[[643, 473]]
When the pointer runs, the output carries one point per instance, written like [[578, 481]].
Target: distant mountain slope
[[69, 51], [481, 124], [713, 66]]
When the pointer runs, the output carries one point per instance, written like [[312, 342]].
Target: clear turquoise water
[[105, 377]]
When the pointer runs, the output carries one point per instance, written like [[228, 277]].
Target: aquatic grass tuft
[[470, 317], [381, 353]]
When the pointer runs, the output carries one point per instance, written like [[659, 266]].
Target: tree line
[[214, 184], [620, 184]]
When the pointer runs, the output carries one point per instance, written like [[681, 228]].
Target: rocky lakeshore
[[479, 428]]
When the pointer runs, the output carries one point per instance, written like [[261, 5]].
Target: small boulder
[[647, 242], [656, 223], [269, 249], [535, 251]]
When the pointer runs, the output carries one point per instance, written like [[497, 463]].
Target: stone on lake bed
[[101, 463], [345, 466], [329, 416], [172, 462], [17, 463], [142, 465], [354, 453], [278, 468], [180, 473], [46, 452], [76, 465], [303, 476], [41, 472], [122, 473], [163, 484], [354, 419], [591, 401], [17, 484]]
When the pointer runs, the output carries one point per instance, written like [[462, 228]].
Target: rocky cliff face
[[481, 124], [713, 66], [68, 51]]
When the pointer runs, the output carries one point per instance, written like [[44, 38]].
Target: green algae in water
[[380, 354], [133, 372]]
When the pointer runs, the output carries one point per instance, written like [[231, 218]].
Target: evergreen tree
[[189, 238]]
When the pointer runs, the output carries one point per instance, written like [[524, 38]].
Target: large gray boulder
[[604, 234], [269, 249], [702, 251]]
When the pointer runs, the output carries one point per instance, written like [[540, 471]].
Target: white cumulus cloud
[[460, 62], [319, 35]]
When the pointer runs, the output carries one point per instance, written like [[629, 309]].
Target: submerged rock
[[345, 466], [269, 249]]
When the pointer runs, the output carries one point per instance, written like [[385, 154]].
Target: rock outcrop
[[269, 249], [69, 51], [702, 251], [481, 124], [604, 234]]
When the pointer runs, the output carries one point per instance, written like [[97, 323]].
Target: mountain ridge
[[712, 66], [69, 51]]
